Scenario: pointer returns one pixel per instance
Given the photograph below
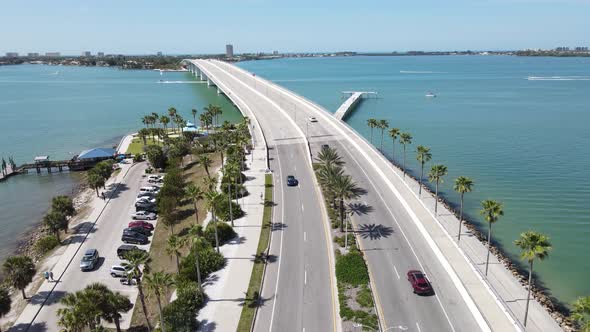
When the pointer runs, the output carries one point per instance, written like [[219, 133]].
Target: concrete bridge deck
[[350, 103], [465, 300]]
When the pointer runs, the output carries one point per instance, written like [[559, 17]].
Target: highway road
[[105, 236], [298, 291], [393, 244]]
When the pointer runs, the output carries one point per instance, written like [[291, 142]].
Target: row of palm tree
[[57, 219]]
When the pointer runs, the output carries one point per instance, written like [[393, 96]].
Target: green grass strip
[[252, 295]]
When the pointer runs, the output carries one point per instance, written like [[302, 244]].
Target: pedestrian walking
[[46, 275], [103, 196], [51, 275]]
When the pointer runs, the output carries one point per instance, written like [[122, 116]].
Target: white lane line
[[305, 278], [304, 237], [418, 326], [397, 274], [274, 302], [302, 208]]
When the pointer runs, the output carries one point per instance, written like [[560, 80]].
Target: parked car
[[150, 189], [146, 206], [143, 215], [313, 119], [155, 181], [292, 181], [139, 230], [419, 283], [125, 248], [133, 237], [141, 223], [144, 199], [89, 260], [155, 177], [118, 271], [146, 194]]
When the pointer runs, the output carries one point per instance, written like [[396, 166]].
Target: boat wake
[[181, 82], [558, 78], [420, 72]]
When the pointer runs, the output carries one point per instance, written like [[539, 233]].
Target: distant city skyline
[[251, 26]]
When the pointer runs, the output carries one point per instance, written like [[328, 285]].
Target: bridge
[[400, 233], [350, 103]]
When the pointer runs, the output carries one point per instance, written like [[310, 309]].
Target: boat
[[430, 95]]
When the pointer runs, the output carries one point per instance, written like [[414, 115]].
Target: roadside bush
[[364, 297], [341, 241], [351, 269], [224, 231], [223, 211], [137, 159], [190, 295], [179, 318], [209, 262], [45, 244]]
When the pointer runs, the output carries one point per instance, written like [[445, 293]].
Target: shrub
[[224, 231], [45, 244], [223, 210], [341, 241], [190, 295], [364, 297], [137, 159], [180, 318], [209, 262], [351, 269]]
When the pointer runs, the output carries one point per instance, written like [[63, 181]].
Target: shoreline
[[556, 309]]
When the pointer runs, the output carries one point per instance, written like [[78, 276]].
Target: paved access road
[[298, 290], [392, 243], [104, 236]]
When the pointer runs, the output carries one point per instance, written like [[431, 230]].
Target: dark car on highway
[[133, 237], [292, 181], [419, 283]]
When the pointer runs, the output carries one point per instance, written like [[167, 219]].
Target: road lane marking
[[418, 326], [305, 278], [397, 274], [302, 208], [274, 302]]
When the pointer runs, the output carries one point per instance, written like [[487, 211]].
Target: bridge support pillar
[[38, 170], [208, 82], [218, 91], [48, 169]]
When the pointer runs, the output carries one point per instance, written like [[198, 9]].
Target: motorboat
[[430, 95]]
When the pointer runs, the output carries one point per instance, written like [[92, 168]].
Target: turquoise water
[[60, 111], [524, 142]]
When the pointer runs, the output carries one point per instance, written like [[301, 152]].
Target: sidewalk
[[226, 297]]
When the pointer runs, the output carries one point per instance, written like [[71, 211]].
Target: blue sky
[[199, 26]]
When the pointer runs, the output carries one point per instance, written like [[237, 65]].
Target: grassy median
[[252, 296]]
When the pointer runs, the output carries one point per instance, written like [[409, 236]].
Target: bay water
[[518, 126]]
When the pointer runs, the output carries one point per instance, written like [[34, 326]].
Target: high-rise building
[[33, 55], [229, 51], [11, 54], [159, 54], [87, 53], [52, 54], [100, 54], [581, 49], [562, 49], [275, 52]]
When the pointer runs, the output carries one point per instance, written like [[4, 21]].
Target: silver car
[[89, 260], [143, 215]]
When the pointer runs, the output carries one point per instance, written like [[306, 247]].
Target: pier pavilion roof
[[97, 153]]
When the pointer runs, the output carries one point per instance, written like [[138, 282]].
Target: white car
[[155, 177], [143, 215], [119, 271], [313, 119], [146, 199]]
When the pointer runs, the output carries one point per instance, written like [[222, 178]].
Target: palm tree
[[533, 246], [210, 183], [136, 259], [195, 194], [344, 189], [382, 124], [213, 199], [491, 210], [5, 301], [194, 233], [172, 114], [393, 134], [56, 221], [329, 157], [173, 246], [206, 162], [19, 272], [158, 284], [372, 123], [79, 310], [111, 304], [95, 181], [164, 120], [405, 139], [436, 175], [423, 155], [463, 185], [233, 172], [194, 112], [581, 313]]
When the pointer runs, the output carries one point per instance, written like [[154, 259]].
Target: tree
[[63, 204], [158, 284], [382, 124], [79, 310], [462, 185], [372, 123], [173, 246], [405, 139], [393, 134], [112, 305], [581, 313], [95, 181], [195, 194], [164, 120], [491, 210], [156, 156], [143, 134], [136, 259], [194, 112], [19, 272], [99, 300], [194, 235], [436, 175], [329, 157], [533, 246], [344, 189], [56, 221], [167, 210], [423, 156], [5, 301], [206, 162], [172, 114], [213, 199]]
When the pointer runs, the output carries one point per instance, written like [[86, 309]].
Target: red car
[[419, 283], [141, 223]]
